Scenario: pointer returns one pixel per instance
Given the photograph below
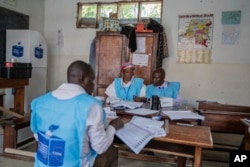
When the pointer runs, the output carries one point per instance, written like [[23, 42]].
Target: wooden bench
[[11, 129], [224, 121], [12, 148], [158, 152]]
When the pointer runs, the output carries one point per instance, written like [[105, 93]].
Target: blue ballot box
[[50, 149], [39, 52], [17, 50]]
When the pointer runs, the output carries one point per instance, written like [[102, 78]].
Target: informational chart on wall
[[195, 35], [230, 21]]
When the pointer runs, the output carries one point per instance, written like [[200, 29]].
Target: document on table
[[152, 125], [142, 121], [247, 120], [142, 111], [139, 131], [134, 136], [128, 104], [110, 114], [186, 114]]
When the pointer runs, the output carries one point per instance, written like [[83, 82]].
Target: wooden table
[[19, 86], [187, 137], [247, 135], [197, 136]]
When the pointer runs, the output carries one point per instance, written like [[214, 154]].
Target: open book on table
[[186, 114], [128, 104], [136, 135], [141, 111], [150, 124]]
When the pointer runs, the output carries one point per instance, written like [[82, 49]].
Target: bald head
[[82, 74], [158, 76], [160, 71]]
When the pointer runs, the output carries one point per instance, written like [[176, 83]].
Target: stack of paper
[[142, 121], [152, 125], [128, 104], [109, 113], [141, 111], [139, 131], [187, 114], [247, 120], [134, 136]]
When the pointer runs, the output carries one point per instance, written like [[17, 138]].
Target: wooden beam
[[11, 112], [19, 152]]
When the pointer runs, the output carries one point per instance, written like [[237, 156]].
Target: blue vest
[[171, 90], [128, 93], [67, 121]]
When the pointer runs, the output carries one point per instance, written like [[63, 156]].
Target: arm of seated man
[[142, 97], [99, 138]]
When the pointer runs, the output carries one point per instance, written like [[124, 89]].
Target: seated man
[[163, 88], [127, 87], [72, 121]]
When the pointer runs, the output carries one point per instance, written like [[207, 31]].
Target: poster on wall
[[195, 34], [230, 27]]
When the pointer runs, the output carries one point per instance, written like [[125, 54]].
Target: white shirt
[[111, 93], [99, 138]]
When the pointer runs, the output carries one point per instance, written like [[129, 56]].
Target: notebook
[[150, 124], [128, 104], [141, 111], [186, 114], [134, 136]]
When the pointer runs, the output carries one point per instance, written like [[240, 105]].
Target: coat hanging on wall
[[162, 50]]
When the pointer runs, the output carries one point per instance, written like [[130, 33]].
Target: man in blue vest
[[162, 88], [68, 124]]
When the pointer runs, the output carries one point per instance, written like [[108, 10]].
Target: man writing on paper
[[163, 88], [68, 124]]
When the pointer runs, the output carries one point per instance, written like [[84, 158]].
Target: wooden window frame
[[82, 22]]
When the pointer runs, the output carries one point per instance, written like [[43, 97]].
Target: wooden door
[[147, 44], [111, 52]]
